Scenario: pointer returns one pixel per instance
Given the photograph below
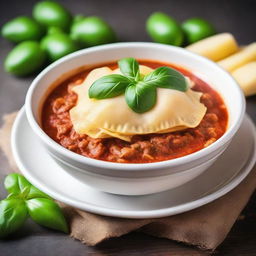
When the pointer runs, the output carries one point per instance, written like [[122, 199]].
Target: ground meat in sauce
[[142, 148]]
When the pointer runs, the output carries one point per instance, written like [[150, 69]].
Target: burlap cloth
[[205, 227]]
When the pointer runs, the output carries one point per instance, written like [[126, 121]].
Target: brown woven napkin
[[205, 227]]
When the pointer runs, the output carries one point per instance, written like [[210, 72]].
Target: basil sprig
[[108, 86], [140, 91], [25, 200], [130, 68], [140, 97]]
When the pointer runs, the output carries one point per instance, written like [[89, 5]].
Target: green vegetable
[[140, 97], [164, 29], [165, 77], [21, 29], [140, 92], [92, 31], [50, 13], [16, 184], [25, 58], [23, 200], [58, 44], [196, 29], [54, 30], [13, 213], [129, 67], [109, 86], [47, 213]]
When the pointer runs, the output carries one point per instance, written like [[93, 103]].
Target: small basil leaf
[[36, 193], [108, 86], [140, 97], [15, 183], [13, 213], [14, 196], [47, 213], [25, 191], [165, 77], [129, 67]]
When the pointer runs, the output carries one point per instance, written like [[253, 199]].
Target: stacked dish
[[155, 121]]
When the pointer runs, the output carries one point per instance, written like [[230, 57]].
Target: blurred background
[[128, 20], [127, 17]]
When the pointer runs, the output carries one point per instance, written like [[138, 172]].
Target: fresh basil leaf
[[14, 196], [47, 213], [24, 193], [36, 193], [140, 97], [108, 86], [16, 184], [13, 213], [165, 77], [129, 67]]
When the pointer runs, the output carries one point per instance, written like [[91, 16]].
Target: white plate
[[225, 174]]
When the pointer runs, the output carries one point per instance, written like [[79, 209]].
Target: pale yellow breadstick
[[237, 60], [216, 47], [246, 78]]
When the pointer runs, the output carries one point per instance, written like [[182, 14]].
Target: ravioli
[[174, 110]]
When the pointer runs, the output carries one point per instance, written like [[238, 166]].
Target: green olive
[[25, 58], [54, 30], [57, 45], [164, 29], [21, 29], [50, 13], [92, 31], [196, 29], [77, 18]]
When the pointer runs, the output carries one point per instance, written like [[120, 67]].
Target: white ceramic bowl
[[137, 179]]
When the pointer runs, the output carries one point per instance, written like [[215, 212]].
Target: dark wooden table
[[128, 19]]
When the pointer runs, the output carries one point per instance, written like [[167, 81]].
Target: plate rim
[[227, 187]]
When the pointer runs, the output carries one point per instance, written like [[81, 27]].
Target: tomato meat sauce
[[142, 148]]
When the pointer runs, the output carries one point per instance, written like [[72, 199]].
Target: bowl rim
[[132, 166]]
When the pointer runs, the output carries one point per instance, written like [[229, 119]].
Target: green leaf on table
[[16, 184], [13, 213], [47, 213]]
